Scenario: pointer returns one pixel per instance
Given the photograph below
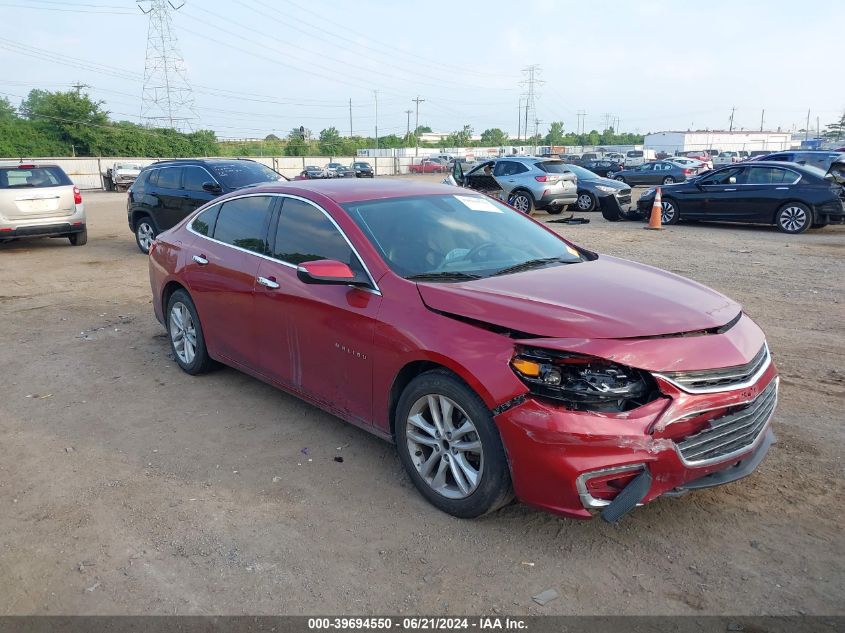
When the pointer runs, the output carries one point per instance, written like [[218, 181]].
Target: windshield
[[244, 173], [362, 165], [456, 237], [128, 166]]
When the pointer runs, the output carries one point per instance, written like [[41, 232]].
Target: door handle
[[202, 261], [268, 283], [730, 189]]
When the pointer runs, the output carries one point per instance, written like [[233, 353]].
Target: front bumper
[[619, 203], [363, 174], [575, 463]]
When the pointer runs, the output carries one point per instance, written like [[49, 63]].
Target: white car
[[691, 163], [728, 158]]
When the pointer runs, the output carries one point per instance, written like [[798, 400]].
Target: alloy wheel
[[668, 180], [668, 212], [183, 333], [793, 219], [444, 446], [522, 203], [585, 202], [146, 235]]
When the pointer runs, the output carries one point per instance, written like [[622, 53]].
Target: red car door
[[222, 273], [317, 339]]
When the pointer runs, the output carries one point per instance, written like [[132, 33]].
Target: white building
[[672, 142]]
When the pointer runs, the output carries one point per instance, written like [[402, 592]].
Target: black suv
[[167, 191]]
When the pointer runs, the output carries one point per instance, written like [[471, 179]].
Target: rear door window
[[504, 168], [205, 221], [32, 177], [242, 222], [169, 178], [770, 176]]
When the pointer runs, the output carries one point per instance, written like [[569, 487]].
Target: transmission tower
[[167, 99], [531, 83]]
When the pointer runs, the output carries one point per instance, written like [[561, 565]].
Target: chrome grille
[[732, 433], [708, 380]]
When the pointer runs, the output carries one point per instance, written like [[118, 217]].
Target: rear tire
[[145, 233], [450, 446], [668, 180], [79, 239], [184, 331], [793, 218], [522, 201]]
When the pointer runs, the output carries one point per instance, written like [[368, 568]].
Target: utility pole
[[166, 97], [807, 127], [818, 129], [408, 128], [581, 114], [351, 133], [79, 86], [375, 95], [762, 118], [519, 121], [731, 129], [418, 101], [536, 133], [606, 122]]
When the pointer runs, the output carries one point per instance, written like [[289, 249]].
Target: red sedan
[[499, 357], [428, 167]]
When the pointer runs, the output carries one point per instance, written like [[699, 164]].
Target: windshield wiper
[[443, 276], [531, 263]]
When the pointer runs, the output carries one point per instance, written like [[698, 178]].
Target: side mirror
[[327, 272], [212, 187]]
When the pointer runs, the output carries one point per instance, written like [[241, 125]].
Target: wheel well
[[137, 215], [402, 380], [167, 292], [522, 190]]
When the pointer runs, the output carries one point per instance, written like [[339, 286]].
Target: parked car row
[[358, 169]]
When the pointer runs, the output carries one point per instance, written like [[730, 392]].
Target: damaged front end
[[609, 424]]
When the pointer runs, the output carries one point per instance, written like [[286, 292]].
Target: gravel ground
[[129, 487]]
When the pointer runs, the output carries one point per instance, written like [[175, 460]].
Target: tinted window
[[553, 167], [723, 177], [205, 221], [504, 168], [647, 167], [244, 173], [193, 177], [169, 178], [634, 154], [153, 177], [304, 234], [243, 222], [770, 176], [16, 178], [784, 157]]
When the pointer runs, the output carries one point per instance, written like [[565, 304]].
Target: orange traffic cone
[[655, 222]]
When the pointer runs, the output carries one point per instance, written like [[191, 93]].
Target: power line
[[417, 101]]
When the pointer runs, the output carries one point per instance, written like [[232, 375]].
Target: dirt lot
[[129, 487]]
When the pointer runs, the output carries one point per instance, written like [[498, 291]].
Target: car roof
[[354, 190], [9, 163], [199, 161]]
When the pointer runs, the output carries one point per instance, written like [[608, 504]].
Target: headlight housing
[[585, 383], [607, 189]]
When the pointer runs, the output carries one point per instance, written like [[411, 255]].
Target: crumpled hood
[[604, 298]]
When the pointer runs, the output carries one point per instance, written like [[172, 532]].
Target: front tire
[[794, 218], [79, 239], [184, 330], [145, 233], [586, 201], [670, 213], [522, 201], [450, 446], [668, 180]]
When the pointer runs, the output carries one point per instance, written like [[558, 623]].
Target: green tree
[[835, 130], [296, 144], [555, 135], [460, 138], [422, 129], [330, 143], [7, 110], [494, 136], [72, 118]]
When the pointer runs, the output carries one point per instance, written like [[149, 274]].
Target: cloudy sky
[[262, 66]]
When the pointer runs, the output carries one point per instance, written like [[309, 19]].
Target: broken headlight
[[585, 383]]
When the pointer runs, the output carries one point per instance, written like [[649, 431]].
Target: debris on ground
[[92, 587], [571, 220], [544, 597], [304, 450], [527, 564], [276, 479], [68, 449], [338, 459]]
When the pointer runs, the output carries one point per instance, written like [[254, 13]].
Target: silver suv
[[39, 200], [527, 182]]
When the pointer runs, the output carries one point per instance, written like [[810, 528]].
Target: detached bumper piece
[[628, 499]]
